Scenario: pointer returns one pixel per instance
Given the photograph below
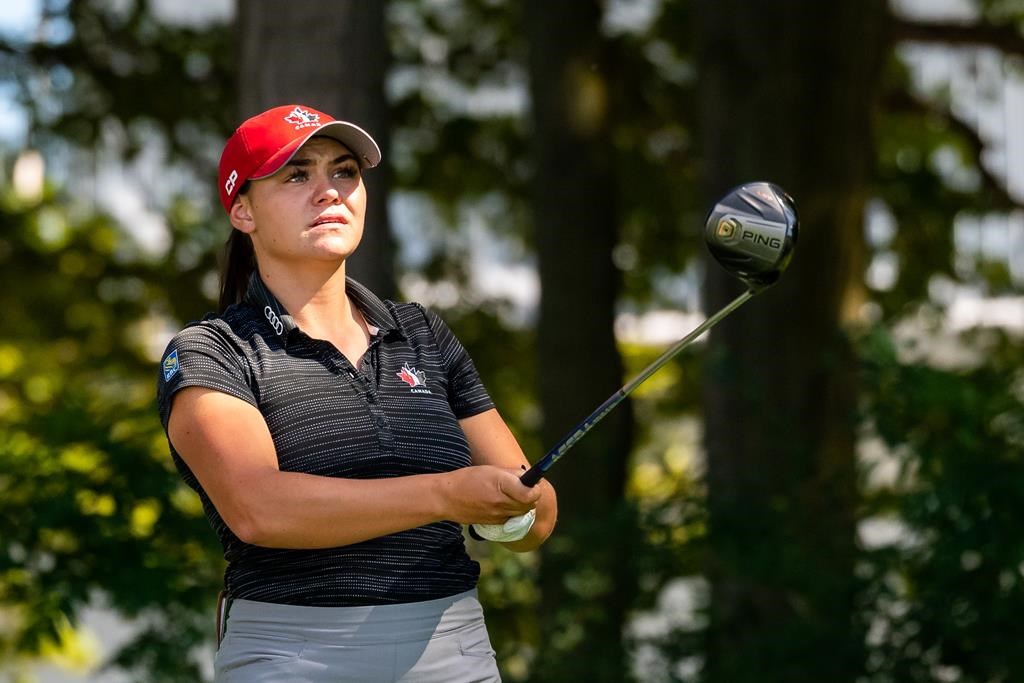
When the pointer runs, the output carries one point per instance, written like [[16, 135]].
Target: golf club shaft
[[534, 474]]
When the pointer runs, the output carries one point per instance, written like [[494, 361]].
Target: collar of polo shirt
[[369, 304]]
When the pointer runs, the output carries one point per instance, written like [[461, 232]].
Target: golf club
[[751, 232]]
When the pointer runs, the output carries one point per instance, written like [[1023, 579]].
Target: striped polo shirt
[[394, 415]]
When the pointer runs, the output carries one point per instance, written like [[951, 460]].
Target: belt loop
[[221, 625]]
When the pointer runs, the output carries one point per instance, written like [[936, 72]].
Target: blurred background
[[829, 488]]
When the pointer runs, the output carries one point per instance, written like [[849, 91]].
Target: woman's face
[[311, 210]]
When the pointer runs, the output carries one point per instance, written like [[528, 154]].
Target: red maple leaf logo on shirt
[[411, 376]]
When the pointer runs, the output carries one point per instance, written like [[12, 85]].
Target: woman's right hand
[[483, 494]]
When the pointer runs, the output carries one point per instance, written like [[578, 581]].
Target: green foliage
[[658, 156], [924, 204], [446, 58], [91, 511], [943, 600], [104, 62]]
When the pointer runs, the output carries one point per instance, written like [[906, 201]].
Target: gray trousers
[[442, 641]]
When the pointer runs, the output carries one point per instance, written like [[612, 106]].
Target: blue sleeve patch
[[171, 365]]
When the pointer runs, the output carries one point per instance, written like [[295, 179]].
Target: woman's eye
[[347, 171], [296, 176]]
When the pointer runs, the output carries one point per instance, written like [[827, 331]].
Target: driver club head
[[752, 231]]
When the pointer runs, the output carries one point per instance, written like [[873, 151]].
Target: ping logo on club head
[[171, 366], [302, 117], [728, 229]]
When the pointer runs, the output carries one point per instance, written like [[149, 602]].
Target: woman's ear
[[241, 215]]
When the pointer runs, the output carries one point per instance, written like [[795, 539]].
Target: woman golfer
[[338, 442]]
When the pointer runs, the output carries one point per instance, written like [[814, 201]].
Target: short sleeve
[[466, 392], [201, 356]]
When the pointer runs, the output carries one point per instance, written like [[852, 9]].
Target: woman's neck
[[318, 302]]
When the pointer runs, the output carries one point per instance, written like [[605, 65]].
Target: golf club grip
[[531, 476]]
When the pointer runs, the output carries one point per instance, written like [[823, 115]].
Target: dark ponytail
[[237, 264]]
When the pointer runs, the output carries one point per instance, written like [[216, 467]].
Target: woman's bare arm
[[226, 443]]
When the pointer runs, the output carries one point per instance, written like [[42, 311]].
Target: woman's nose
[[326, 192]]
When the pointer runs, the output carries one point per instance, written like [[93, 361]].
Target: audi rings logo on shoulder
[[274, 321]]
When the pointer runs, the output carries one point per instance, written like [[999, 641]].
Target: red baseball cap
[[267, 141]]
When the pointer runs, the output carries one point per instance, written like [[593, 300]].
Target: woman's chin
[[334, 246]]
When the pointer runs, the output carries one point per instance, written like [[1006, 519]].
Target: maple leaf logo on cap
[[300, 115]]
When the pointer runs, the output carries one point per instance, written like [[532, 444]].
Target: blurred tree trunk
[[331, 55], [585, 581], [788, 89]]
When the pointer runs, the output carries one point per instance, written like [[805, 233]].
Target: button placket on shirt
[[367, 390]]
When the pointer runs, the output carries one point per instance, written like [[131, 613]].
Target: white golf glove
[[513, 529]]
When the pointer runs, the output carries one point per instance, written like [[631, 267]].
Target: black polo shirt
[[395, 415]]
